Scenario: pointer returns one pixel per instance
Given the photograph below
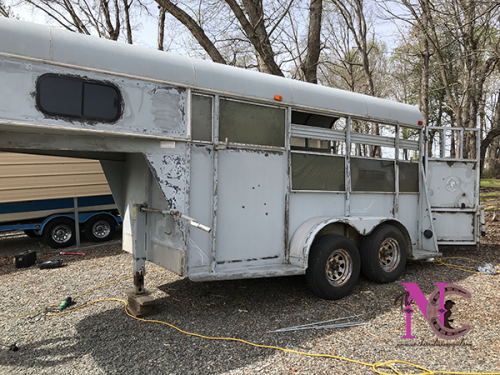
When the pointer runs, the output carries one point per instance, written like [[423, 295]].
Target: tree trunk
[[194, 28], [310, 64], [161, 29]]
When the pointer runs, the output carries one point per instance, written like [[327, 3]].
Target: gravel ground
[[102, 339]]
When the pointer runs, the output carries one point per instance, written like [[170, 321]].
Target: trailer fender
[[306, 233]]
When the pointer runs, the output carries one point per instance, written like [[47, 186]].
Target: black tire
[[31, 233], [59, 233], [383, 254], [334, 267], [100, 228]]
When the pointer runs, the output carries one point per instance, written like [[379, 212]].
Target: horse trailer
[[224, 173]]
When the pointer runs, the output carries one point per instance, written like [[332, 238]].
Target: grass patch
[[490, 182], [489, 199]]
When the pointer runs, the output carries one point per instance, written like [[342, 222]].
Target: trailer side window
[[317, 172], [68, 96], [372, 175], [251, 124], [408, 177], [201, 118], [318, 133]]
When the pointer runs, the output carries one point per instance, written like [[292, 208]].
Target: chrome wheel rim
[[338, 267], [389, 254], [61, 233], [101, 229]]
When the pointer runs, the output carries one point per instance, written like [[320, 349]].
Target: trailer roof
[[64, 47]]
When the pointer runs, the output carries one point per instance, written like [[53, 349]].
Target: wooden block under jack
[[140, 305]]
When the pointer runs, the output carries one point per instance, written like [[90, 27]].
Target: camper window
[[69, 96]]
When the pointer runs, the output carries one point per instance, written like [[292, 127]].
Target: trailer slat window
[[317, 172], [408, 177], [201, 118], [372, 175], [68, 96], [247, 123]]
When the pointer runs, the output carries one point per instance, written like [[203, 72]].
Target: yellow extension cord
[[375, 366], [439, 262]]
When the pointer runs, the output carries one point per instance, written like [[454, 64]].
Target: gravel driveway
[[102, 339]]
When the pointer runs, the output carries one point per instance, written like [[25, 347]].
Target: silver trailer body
[[191, 141]]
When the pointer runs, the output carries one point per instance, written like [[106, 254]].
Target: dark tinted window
[[408, 177], [74, 97], [60, 96], [100, 101], [318, 172], [372, 175]]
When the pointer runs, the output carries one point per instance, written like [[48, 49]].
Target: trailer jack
[[140, 303]]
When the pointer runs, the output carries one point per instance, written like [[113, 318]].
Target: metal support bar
[[347, 208], [178, 215], [77, 222]]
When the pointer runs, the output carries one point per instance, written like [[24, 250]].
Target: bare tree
[[4, 9], [252, 33], [110, 19]]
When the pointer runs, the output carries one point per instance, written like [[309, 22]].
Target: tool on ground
[[66, 303], [67, 253], [55, 263], [25, 259], [322, 325]]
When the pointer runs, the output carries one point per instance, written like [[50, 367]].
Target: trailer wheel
[[59, 232], [100, 228], [383, 254], [334, 267]]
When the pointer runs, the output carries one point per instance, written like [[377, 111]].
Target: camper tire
[[59, 232], [383, 254], [100, 228], [334, 267]]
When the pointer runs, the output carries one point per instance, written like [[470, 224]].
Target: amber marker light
[[279, 98]]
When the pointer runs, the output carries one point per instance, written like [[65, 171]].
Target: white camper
[[225, 173]]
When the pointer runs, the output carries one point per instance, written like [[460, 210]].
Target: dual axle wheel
[[335, 262], [60, 232]]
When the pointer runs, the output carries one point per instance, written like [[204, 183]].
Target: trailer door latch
[[178, 215]]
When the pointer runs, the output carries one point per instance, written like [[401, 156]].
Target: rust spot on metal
[[450, 163], [247, 260], [272, 257]]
